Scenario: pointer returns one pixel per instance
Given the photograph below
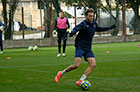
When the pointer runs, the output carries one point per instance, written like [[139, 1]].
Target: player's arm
[[2, 27], [76, 29], [101, 29], [68, 25], [55, 26]]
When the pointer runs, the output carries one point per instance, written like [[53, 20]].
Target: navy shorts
[[87, 54]]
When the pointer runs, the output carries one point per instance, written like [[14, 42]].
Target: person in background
[[2, 28], [62, 27]]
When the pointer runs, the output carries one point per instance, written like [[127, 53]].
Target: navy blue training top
[[1, 24], [86, 33]]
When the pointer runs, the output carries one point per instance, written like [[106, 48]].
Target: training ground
[[118, 70]]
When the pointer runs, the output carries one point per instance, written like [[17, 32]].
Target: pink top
[[62, 23]]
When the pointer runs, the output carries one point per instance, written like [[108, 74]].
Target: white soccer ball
[[35, 48], [30, 48]]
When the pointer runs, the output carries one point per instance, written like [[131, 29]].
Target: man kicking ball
[[83, 44]]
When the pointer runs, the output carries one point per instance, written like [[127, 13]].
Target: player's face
[[60, 14], [90, 17]]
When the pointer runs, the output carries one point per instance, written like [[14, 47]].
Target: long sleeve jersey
[[1, 24], [86, 33]]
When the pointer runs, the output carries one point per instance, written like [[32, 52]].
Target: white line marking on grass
[[35, 70], [94, 77], [7, 67], [90, 77], [115, 78], [103, 78]]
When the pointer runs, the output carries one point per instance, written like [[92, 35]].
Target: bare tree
[[134, 4], [13, 4], [116, 30], [56, 5]]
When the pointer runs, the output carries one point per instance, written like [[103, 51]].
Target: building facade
[[31, 13]]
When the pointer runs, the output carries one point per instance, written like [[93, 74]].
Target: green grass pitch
[[34, 71]]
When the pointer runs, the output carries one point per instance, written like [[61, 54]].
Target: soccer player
[[2, 27], [61, 26], [83, 44]]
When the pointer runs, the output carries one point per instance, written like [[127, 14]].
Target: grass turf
[[34, 71]]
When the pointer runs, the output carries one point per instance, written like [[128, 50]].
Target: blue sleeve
[[1, 24], [77, 28], [101, 29]]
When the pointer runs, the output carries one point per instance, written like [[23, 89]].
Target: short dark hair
[[60, 11], [89, 10]]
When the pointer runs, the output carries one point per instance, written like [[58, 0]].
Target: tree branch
[[109, 12]]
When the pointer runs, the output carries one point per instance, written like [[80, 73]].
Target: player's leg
[[89, 57], [64, 46], [59, 44], [69, 68], [78, 56], [64, 42], [92, 65], [74, 66], [1, 46]]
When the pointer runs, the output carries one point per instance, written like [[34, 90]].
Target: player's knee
[[77, 62], [93, 65], [77, 65]]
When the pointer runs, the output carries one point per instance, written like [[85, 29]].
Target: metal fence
[[34, 19]]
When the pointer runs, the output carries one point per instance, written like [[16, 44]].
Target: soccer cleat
[[78, 82], [58, 55], [63, 54], [58, 76]]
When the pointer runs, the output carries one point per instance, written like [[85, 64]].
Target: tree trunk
[[56, 6], [136, 18], [116, 30], [135, 7], [8, 33], [137, 25], [47, 19], [4, 2]]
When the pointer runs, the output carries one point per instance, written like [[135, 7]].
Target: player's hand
[[54, 31], [68, 31], [1, 28]]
